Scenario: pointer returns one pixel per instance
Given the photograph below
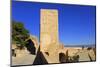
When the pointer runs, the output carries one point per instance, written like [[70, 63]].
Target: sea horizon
[[88, 45]]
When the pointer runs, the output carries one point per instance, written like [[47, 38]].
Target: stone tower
[[48, 29]]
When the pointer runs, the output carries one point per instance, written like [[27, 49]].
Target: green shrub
[[19, 34]]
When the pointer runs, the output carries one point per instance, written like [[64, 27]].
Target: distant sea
[[80, 45]]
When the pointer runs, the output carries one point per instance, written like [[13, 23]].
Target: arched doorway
[[62, 57], [31, 46]]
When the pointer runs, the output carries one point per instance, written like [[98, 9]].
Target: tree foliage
[[19, 34]]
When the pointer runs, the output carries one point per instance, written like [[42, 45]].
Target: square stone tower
[[48, 29]]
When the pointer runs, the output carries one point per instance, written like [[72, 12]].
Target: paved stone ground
[[84, 55], [27, 59]]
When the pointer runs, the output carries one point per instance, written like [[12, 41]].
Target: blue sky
[[76, 23]]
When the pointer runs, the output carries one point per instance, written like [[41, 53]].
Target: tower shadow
[[40, 59]]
